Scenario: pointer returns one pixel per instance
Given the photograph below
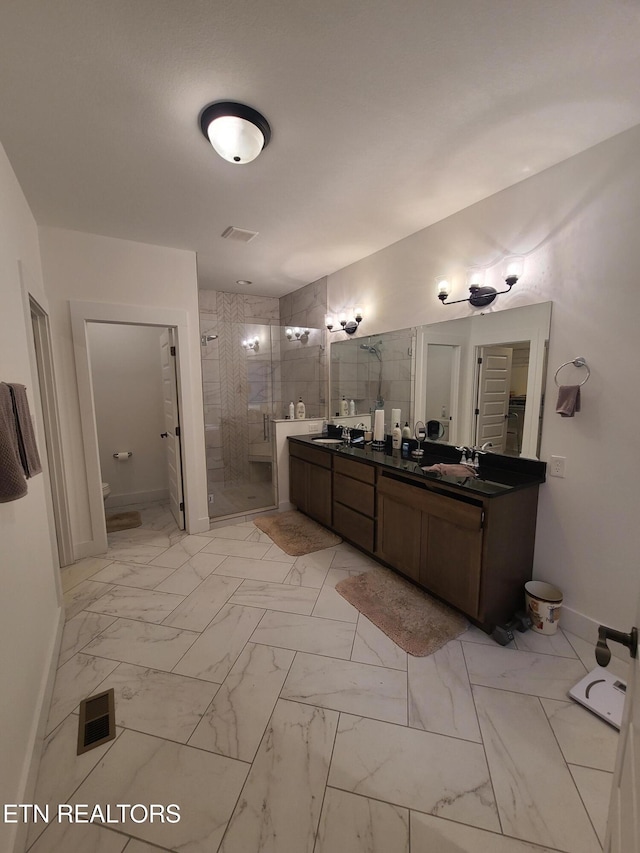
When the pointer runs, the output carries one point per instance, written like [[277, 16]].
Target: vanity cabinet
[[310, 482], [434, 539], [354, 501], [472, 550]]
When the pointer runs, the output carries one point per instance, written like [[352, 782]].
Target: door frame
[[48, 417], [83, 313]]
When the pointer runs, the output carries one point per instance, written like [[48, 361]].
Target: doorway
[[51, 427], [84, 313], [137, 416]]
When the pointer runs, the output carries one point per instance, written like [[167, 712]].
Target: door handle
[[603, 652], [164, 435]]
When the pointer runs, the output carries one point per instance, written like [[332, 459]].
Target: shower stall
[[250, 372]]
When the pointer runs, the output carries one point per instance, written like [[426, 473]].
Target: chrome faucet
[[483, 449]]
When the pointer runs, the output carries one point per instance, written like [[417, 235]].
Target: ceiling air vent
[[97, 721], [240, 235]]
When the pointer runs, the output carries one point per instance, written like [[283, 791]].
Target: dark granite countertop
[[498, 475]]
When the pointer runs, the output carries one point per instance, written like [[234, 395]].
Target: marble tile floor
[[279, 720]]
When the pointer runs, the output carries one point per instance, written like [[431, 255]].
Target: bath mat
[[414, 620], [295, 533], [123, 521]]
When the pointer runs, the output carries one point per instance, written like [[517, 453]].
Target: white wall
[[578, 225], [127, 391], [29, 593], [129, 276]]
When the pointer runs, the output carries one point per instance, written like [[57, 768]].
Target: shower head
[[372, 349], [206, 337]]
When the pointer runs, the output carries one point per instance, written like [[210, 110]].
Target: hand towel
[[24, 427], [13, 484], [451, 470], [568, 400]]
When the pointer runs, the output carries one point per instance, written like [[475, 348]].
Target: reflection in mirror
[[484, 377], [376, 373], [432, 374]]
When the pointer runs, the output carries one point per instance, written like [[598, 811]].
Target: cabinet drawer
[[353, 526], [310, 454], [355, 494], [357, 470], [452, 509]]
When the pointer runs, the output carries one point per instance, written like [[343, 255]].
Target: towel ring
[[577, 362]]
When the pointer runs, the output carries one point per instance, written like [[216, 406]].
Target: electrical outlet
[[556, 466]]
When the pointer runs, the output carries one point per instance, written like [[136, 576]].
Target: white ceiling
[[386, 116]]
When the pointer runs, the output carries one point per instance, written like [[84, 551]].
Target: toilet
[[106, 491]]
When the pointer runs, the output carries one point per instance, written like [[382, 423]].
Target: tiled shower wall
[[239, 386], [304, 363]]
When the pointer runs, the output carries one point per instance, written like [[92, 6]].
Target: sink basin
[[333, 441]]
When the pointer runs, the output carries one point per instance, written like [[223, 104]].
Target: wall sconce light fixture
[[348, 325], [481, 294], [237, 132], [297, 334], [252, 343]]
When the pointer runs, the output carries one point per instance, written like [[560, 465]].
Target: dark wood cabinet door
[[298, 483], [319, 494], [398, 537], [451, 561]]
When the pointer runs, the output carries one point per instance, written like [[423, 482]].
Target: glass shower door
[[243, 482]]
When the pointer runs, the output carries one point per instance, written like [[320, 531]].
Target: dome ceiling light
[[237, 132]]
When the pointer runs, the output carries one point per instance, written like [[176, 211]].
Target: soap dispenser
[[300, 410], [292, 411], [344, 407], [406, 430], [396, 437]]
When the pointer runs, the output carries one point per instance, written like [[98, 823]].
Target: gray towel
[[12, 480], [568, 400], [24, 427]]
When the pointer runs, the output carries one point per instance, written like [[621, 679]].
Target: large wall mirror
[[472, 381]]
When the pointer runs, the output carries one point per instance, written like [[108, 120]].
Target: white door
[[171, 432], [623, 829], [492, 409]]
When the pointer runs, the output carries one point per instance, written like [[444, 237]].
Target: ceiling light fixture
[[481, 294], [243, 282], [237, 132], [346, 325]]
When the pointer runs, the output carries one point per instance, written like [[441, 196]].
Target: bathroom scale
[[602, 693]]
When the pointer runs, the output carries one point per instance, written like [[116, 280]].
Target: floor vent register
[[97, 721]]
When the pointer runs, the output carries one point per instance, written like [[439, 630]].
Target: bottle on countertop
[[292, 411], [396, 437], [406, 430], [344, 407], [352, 407], [300, 410]]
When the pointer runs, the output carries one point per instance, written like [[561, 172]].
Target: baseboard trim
[[136, 498], [32, 761]]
